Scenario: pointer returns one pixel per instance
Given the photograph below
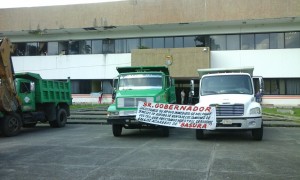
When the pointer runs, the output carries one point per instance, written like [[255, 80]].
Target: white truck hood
[[226, 99]]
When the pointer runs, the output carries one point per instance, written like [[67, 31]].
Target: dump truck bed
[[49, 90]]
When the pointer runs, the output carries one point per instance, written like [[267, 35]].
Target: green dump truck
[[40, 101], [134, 84], [26, 98]]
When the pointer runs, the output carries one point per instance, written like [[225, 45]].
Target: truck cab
[[134, 84], [232, 92]]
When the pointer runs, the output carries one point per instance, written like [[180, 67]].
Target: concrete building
[[87, 42]]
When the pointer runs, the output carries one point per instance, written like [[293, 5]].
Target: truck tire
[[257, 134], [199, 134], [61, 119], [117, 130], [11, 125], [165, 131]]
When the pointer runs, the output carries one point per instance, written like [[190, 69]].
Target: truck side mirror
[[192, 86]]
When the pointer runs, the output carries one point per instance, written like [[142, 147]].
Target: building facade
[[87, 42]]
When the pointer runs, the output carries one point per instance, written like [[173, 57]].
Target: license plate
[[227, 121]]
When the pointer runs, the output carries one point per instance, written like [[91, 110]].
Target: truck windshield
[[140, 81], [227, 84]]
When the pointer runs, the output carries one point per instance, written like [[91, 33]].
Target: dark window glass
[[25, 87], [19, 49], [96, 46], [292, 39], [146, 43], [158, 43], [276, 41], [169, 43], [218, 42], [52, 48], [43, 48], [108, 46], [132, 44], [31, 49], [200, 41], [63, 47], [73, 47], [178, 42], [233, 42], [247, 41], [293, 86], [81, 86], [262, 41], [85, 47], [189, 41], [120, 46]]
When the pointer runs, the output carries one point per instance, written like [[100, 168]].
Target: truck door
[[26, 93]]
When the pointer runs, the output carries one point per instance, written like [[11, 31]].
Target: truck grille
[[132, 102], [229, 110]]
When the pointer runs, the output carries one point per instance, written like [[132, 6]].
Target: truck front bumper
[[239, 123]]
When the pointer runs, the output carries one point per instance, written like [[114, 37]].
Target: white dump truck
[[232, 92]]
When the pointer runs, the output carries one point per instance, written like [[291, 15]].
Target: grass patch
[[87, 106], [274, 111]]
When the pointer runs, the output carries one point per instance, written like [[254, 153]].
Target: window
[[293, 86], [132, 44], [218, 42], [189, 41], [96, 46], [233, 42], [292, 40], [63, 47], [85, 47], [178, 42], [247, 41], [43, 46], [262, 41], [74, 47], [81, 86], [276, 41], [31, 49], [146, 43], [108, 46], [19, 49], [25, 87], [200, 41], [158, 43], [169, 43], [120, 46], [52, 48], [271, 86]]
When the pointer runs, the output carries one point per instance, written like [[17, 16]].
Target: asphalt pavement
[[99, 115]]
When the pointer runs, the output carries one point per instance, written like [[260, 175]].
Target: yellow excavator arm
[[8, 97]]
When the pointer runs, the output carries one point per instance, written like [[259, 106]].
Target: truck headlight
[[255, 110]]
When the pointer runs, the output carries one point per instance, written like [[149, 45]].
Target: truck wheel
[[11, 125], [61, 119], [117, 130], [199, 134], [165, 131], [257, 134]]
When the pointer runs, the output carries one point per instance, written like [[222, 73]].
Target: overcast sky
[[33, 3]]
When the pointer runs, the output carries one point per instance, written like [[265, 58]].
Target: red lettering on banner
[[195, 108], [201, 108], [182, 107], [171, 107], [166, 106], [189, 108], [176, 107], [193, 125], [208, 109]]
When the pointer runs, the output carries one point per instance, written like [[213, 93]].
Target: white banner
[[176, 115]]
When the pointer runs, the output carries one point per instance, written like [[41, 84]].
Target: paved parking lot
[[91, 152]]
